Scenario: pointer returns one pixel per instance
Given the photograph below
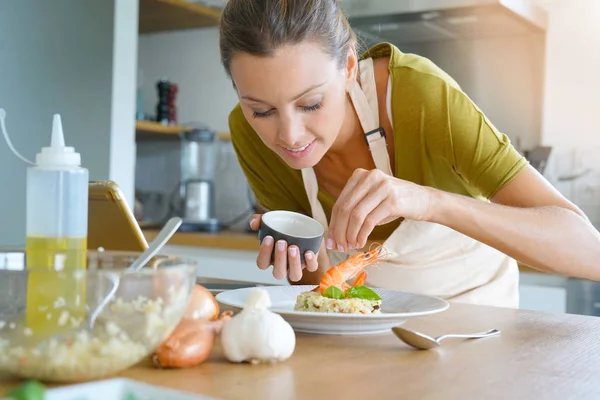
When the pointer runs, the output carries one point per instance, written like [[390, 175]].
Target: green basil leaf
[[362, 292], [333, 292], [30, 390]]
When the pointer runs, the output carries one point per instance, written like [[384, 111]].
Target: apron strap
[[365, 104], [312, 190], [367, 79]]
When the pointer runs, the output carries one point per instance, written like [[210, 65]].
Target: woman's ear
[[351, 70]]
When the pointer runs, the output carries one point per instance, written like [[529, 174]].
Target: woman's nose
[[290, 130]]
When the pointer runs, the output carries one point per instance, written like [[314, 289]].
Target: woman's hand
[[286, 262], [372, 198]]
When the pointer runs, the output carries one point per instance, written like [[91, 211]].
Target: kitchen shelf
[[151, 129], [171, 15], [156, 128]]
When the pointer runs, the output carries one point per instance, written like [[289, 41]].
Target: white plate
[[396, 307], [118, 389]]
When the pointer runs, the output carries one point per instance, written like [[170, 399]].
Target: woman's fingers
[[362, 217], [295, 265], [255, 221], [353, 207], [263, 260], [371, 220], [311, 261], [280, 260], [339, 212], [286, 260]]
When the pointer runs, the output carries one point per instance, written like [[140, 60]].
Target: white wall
[[571, 119], [572, 79], [58, 57]]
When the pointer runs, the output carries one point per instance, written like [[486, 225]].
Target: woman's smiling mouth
[[299, 152]]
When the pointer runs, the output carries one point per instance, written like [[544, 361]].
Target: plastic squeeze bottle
[[57, 222]]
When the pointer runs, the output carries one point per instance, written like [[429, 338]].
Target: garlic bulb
[[256, 334]]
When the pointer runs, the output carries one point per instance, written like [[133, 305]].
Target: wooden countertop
[[222, 240], [536, 356], [237, 241]]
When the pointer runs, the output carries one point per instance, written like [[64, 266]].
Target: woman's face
[[295, 100]]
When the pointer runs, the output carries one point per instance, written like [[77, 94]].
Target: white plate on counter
[[396, 307]]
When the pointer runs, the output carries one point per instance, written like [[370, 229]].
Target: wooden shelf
[[170, 15], [155, 128], [151, 129]]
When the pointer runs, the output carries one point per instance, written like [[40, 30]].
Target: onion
[[192, 340], [190, 344], [202, 305]]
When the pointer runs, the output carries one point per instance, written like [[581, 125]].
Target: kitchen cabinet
[[543, 298], [170, 15], [543, 292]]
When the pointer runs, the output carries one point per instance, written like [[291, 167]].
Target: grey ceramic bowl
[[296, 229]]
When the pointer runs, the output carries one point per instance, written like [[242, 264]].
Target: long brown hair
[[259, 27]]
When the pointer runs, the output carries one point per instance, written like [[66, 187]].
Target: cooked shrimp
[[353, 267]]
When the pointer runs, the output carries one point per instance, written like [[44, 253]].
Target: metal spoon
[[424, 342], [159, 241]]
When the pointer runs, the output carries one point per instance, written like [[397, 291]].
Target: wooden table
[[537, 356]]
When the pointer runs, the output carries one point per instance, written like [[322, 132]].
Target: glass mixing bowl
[[44, 333]]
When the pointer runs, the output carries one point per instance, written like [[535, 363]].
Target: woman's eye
[[314, 107], [257, 114]]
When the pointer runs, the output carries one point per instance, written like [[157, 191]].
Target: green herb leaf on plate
[[30, 390], [333, 292], [362, 292]]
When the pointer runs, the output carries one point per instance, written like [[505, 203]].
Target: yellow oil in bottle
[[54, 301]]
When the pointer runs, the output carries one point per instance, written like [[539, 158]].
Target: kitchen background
[[531, 65]]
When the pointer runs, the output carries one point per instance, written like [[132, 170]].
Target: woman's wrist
[[444, 207]]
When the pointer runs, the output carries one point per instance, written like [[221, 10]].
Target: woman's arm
[[527, 218], [529, 221]]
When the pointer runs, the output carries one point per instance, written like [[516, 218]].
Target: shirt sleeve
[[479, 153], [275, 185]]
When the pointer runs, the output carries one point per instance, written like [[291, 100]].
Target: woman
[[387, 147]]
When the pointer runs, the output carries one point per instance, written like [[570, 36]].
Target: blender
[[199, 162]]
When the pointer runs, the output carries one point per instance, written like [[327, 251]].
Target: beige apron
[[427, 258]]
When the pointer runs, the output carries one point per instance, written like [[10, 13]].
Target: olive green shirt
[[441, 139]]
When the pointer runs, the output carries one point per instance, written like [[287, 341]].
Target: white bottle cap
[[57, 155]]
